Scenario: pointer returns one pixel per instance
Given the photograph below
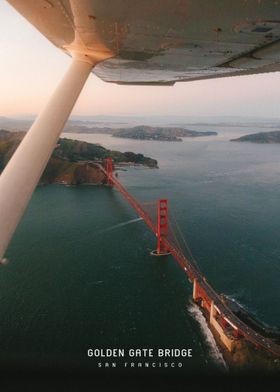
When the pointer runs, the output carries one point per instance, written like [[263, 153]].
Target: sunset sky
[[31, 67]]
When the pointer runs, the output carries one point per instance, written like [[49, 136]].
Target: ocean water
[[81, 275]]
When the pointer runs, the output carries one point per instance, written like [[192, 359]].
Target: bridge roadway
[[193, 272], [248, 333]]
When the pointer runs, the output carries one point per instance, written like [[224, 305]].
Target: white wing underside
[[163, 41]]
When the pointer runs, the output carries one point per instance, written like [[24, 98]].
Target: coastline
[[245, 357]]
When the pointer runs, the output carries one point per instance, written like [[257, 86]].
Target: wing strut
[[22, 173]]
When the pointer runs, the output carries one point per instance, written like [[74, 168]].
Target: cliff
[[72, 162]]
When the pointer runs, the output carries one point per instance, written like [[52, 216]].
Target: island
[[143, 132], [261, 138], [170, 134], [73, 162]]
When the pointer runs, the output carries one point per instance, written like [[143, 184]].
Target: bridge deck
[[193, 272]]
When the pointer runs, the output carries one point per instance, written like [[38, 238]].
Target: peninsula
[[261, 138], [73, 162]]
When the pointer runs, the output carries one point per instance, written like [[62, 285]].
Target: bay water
[[81, 275]]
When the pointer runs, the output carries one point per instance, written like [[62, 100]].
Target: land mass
[[261, 137], [142, 132], [73, 162], [170, 134]]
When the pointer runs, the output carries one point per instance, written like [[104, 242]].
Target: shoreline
[[245, 357]]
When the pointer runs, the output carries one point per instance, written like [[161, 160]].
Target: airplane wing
[[163, 41], [153, 42]]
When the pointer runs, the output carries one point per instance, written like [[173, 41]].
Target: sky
[[31, 67]]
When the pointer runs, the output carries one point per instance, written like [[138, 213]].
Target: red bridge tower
[[109, 170], [162, 228]]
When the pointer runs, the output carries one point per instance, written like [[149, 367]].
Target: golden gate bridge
[[225, 323]]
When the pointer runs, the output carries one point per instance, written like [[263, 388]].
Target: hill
[[171, 134], [261, 137], [72, 162]]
